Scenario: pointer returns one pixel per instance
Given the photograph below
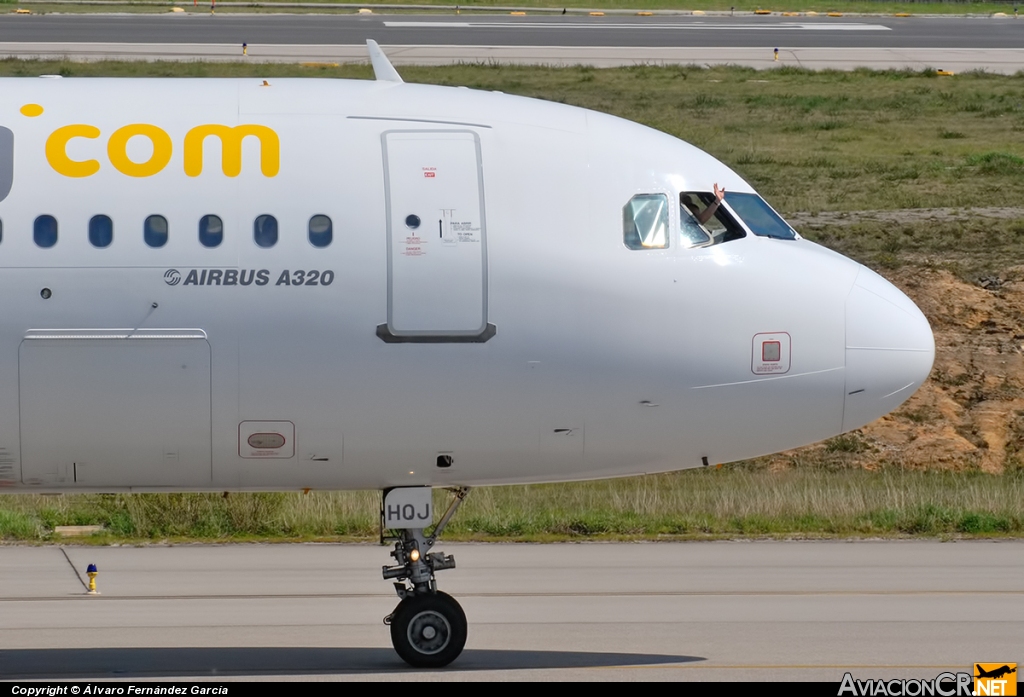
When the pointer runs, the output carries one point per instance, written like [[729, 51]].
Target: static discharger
[[92, 573]]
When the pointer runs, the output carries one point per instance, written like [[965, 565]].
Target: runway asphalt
[[954, 44], [599, 612], [498, 30]]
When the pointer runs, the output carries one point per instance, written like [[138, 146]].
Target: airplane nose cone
[[889, 349]]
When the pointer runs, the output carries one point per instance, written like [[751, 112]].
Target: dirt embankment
[[970, 412]]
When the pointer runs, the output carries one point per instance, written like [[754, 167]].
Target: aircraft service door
[[437, 241], [115, 408]]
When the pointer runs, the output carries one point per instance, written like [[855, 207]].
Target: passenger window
[[758, 216], [44, 231], [699, 226], [101, 231], [1, 231], [211, 231], [154, 231], [321, 231], [264, 231], [645, 222]]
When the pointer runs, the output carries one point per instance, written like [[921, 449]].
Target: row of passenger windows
[[155, 231]]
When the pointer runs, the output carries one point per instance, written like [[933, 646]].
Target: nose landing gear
[[428, 628]]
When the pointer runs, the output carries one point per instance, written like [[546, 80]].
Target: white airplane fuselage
[[475, 318]]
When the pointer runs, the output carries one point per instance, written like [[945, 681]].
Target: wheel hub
[[429, 632]]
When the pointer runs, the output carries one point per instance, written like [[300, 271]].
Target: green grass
[[740, 501], [727, 502], [971, 247]]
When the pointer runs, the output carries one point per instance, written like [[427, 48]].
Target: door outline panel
[[387, 332]]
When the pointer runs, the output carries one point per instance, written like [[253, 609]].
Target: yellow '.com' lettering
[[231, 148], [117, 150], [57, 151], [230, 137]]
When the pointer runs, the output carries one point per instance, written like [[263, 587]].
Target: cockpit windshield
[[759, 218], [703, 220]]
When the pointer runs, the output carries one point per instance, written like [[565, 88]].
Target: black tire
[[429, 630]]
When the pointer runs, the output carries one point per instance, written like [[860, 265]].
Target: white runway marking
[[701, 26]]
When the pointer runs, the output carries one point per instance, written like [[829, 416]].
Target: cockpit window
[[645, 222], [692, 233], [759, 217], [699, 226]]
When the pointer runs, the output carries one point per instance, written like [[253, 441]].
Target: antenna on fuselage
[[382, 68]]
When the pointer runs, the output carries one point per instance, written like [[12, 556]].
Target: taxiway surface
[[660, 611]]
